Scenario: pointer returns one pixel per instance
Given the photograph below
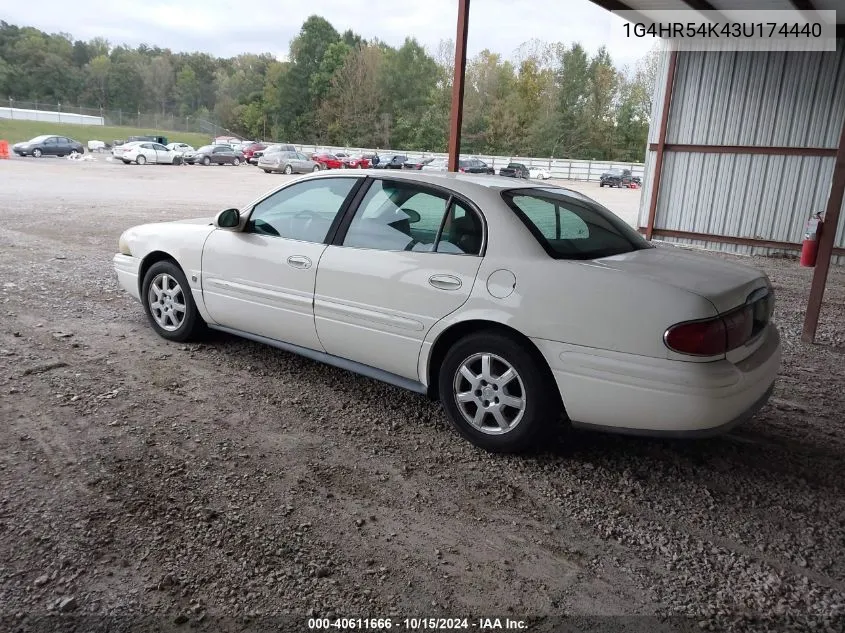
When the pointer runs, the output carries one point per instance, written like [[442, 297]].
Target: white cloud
[[227, 28]]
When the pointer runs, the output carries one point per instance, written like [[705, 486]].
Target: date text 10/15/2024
[[417, 624]]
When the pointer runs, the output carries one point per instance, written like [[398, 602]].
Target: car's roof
[[463, 183]]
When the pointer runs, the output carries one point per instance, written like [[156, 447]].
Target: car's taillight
[[697, 338], [713, 337]]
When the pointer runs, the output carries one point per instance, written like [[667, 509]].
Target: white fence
[[563, 168], [50, 116]]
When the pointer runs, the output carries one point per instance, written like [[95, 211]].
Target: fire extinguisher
[[810, 246]]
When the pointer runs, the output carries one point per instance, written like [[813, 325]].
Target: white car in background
[[538, 173], [142, 152], [517, 306], [438, 164], [180, 148], [96, 146]]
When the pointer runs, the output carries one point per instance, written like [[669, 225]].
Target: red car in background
[[328, 161], [250, 149], [356, 162]]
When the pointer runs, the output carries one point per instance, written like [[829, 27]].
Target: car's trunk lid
[[725, 284]]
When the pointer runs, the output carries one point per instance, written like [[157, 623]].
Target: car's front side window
[[398, 216], [570, 227], [304, 211]]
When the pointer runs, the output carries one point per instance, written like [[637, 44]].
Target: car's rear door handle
[[445, 282], [299, 261]]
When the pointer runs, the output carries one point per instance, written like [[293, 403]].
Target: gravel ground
[[164, 484]]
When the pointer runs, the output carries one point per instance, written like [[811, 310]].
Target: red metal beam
[[457, 115], [826, 241], [661, 142], [769, 150], [730, 239]]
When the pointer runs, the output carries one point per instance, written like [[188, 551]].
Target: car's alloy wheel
[[169, 303], [316, 168], [141, 159], [236, 161], [206, 161], [288, 170], [36, 153], [496, 393], [73, 153]]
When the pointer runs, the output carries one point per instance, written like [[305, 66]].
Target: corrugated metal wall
[[762, 99]]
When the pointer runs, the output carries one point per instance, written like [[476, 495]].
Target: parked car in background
[[538, 173], [96, 146], [357, 162], [438, 164], [152, 138], [391, 161], [225, 140], [180, 148], [287, 163], [328, 161], [214, 155], [48, 145], [479, 294], [514, 170], [618, 178], [417, 163], [117, 150], [250, 150], [144, 152], [275, 147], [474, 166]]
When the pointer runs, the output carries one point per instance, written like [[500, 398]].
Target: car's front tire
[[496, 393], [169, 303], [36, 153], [206, 161], [316, 168], [288, 170], [236, 161]]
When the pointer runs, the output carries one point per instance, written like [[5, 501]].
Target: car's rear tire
[[206, 161], [141, 160], [236, 161], [496, 393], [169, 304], [267, 171], [36, 153], [288, 170]]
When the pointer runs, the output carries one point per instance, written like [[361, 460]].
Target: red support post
[[457, 115], [826, 242]]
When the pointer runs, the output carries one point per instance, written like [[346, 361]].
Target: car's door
[[261, 279], [221, 155], [301, 162], [406, 259], [162, 154], [51, 146]]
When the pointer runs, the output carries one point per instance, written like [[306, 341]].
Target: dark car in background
[[152, 138], [618, 178], [48, 145], [214, 155], [515, 170], [391, 161], [474, 166]]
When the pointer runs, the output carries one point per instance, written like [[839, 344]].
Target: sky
[[227, 28]]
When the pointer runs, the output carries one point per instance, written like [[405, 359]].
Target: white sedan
[[142, 152], [538, 173], [180, 148], [517, 306]]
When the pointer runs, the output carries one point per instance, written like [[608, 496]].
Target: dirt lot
[[165, 484]]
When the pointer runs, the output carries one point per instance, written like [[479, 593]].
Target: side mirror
[[228, 219]]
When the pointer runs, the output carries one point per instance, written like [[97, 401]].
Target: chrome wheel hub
[[167, 302], [489, 393]]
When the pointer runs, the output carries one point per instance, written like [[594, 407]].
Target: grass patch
[[15, 131]]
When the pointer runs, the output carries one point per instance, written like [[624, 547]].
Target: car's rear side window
[[572, 227]]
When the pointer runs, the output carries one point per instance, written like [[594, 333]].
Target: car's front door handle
[[299, 261], [445, 282]]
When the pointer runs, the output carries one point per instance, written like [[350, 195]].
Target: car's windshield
[[572, 227], [40, 139], [615, 172]]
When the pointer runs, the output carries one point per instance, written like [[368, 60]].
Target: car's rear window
[[572, 227]]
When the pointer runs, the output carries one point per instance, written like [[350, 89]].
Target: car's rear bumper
[[651, 396], [126, 267]]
